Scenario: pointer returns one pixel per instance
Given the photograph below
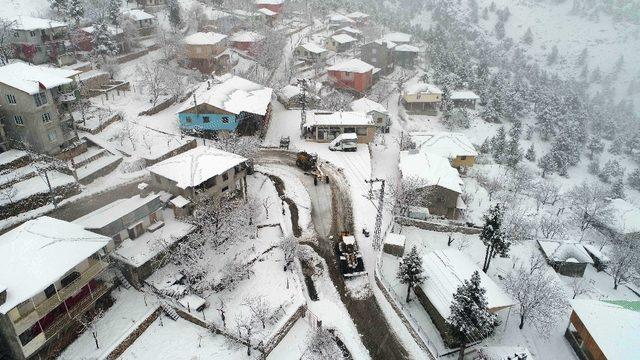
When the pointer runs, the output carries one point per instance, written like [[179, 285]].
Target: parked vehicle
[[349, 257], [344, 142]]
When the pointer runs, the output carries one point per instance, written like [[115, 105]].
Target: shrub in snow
[[469, 317], [531, 153], [624, 260], [457, 118], [617, 189], [611, 169], [528, 37], [589, 202], [594, 167], [410, 271], [634, 179], [547, 164]]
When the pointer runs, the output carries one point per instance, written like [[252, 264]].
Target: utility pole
[[303, 85], [377, 232]]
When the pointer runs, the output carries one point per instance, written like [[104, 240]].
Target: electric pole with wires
[[377, 231], [303, 86]]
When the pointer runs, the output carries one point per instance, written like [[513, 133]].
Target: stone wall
[[134, 335], [179, 150], [438, 226]]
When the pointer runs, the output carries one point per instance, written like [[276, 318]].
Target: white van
[[344, 142]]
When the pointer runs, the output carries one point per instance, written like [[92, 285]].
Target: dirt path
[[376, 334]]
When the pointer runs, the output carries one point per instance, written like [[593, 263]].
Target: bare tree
[[492, 184], [9, 192], [321, 345], [409, 191], [245, 325], [541, 299], [266, 204], [545, 192], [259, 307], [152, 76], [246, 146], [579, 287], [289, 246], [222, 309], [624, 261], [551, 226], [6, 47], [90, 324], [589, 203]]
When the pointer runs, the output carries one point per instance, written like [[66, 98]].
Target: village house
[[201, 170], [464, 99], [422, 98], [354, 74], [405, 55], [379, 53], [453, 146], [275, 6], [604, 329], [340, 42], [150, 4], [206, 52], [34, 104], [355, 33], [447, 269], [227, 104], [267, 16], [397, 38], [338, 21], [291, 97], [377, 111], [568, 259], [145, 22], [83, 38], [247, 41], [40, 41], [439, 183], [310, 52], [51, 274], [326, 126], [360, 18], [142, 227]]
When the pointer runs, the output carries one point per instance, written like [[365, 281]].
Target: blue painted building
[[227, 104]]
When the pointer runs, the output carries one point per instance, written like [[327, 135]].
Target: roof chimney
[[144, 189]]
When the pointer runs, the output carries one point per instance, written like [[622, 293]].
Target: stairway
[[123, 281], [169, 311]]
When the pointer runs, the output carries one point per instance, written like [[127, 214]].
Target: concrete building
[[340, 42], [568, 259], [205, 52], [310, 52], [453, 146], [326, 126], [377, 111], [51, 274], [379, 53], [355, 75], [248, 41], [422, 98], [40, 41], [201, 170], [34, 105], [145, 22]]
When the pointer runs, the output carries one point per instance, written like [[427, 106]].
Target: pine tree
[[531, 153], [59, 6], [611, 169], [595, 146], [175, 17], [485, 148], [634, 179], [528, 37], [499, 29], [469, 316], [513, 153], [616, 146], [485, 14], [103, 43], [493, 237], [553, 56], [75, 10], [617, 189], [114, 11], [582, 58], [594, 167], [548, 164], [410, 271], [499, 145]]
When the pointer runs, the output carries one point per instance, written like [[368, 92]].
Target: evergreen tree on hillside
[[513, 154], [410, 271], [553, 56], [634, 179], [582, 58], [499, 145], [547, 164], [499, 29], [75, 11], [175, 18], [114, 11], [469, 316], [493, 237], [527, 38], [595, 146], [103, 43], [59, 6], [617, 189], [531, 153]]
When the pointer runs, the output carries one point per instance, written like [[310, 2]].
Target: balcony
[[67, 97], [26, 320]]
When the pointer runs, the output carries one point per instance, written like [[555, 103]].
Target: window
[[70, 278], [32, 33], [198, 50], [374, 51], [52, 135], [463, 158], [225, 119], [206, 120], [374, 60], [46, 117], [15, 34], [188, 119], [11, 99], [225, 188], [361, 131], [50, 291], [40, 98], [225, 177], [30, 333], [18, 119]]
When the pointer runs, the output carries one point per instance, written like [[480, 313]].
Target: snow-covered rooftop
[[388, 44], [350, 30], [180, 201], [138, 15], [267, 12], [196, 166], [289, 91], [246, 36], [446, 144], [395, 239], [341, 118], [339, 18], [39, 252], [343, 38], [447, 269], [357, 15], [29, 78], [561, 251], [431, 169], [314, 48], [269, 2], [613, 327], [204, 38], [420, 87], [407, 48], [625, 217], [111, 212], [397, 37], [113, 30], [464, 95], [29, 23], [365, 105], [233, 94], [352, 65]]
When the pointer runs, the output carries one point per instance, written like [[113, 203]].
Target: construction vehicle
[[344, 142], [349, 257], [308, 162]]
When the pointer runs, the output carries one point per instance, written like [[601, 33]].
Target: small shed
[[569, 259], [193, 302], [181, 207], [394, 244]]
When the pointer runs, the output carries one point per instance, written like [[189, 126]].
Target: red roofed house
[[246, 41], [353, 74], [273, 5]]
